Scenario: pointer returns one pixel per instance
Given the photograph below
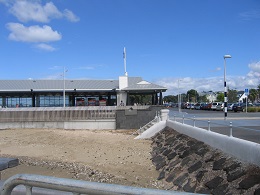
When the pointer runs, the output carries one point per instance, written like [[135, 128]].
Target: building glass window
[[53, 101]]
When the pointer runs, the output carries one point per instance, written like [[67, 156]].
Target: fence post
[[230, 126], [208, 125], [194, 121]]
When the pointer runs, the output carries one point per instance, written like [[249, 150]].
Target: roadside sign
[[246, 92]]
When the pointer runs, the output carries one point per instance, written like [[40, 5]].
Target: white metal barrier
[[75, 186]]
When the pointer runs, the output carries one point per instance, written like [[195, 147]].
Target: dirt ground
[[104, 156]]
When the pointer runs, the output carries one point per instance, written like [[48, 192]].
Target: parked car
[[198, 106], [241, 107], [190, 106], [230, 106], [220, 106], [206, 106], [214, 105]]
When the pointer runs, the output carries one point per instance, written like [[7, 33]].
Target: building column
[[4, 102], [161, 100]]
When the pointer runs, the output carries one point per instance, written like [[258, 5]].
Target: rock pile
[[186, 164]]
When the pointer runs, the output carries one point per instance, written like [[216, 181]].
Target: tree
[[253, 94], [220, 97], [170, 98], [232, 95], [192, 95]]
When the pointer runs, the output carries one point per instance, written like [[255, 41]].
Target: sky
[[178, 44]]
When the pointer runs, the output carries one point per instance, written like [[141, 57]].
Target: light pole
[[179, 97], [225, 87], [64, 104]]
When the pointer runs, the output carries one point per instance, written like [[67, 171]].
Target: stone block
[[235, 175], [249, 181], [212, 184], [195, 167], [219, 164]]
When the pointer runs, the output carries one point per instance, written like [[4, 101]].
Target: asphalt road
[[244, 125]]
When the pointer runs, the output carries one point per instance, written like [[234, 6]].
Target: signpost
[[246, 94]]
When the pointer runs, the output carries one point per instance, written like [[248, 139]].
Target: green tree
[[170, 98], [232, 95], [192, 95], [220, 97], [253, 94]]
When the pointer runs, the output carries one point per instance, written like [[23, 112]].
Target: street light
[[225, 87], [64, 98], [179, 96]]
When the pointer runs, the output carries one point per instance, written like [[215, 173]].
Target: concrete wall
[[134, 119], [244, 150], [86, 124]]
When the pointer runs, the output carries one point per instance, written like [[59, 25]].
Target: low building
[[52, 93]]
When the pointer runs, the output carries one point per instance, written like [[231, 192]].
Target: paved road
[[244, 125]]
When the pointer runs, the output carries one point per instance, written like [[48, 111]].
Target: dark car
[[241, 107]]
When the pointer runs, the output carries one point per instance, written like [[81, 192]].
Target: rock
[[190, 186], [257, 191], [159, 162], [195, 167], [219, 164], [235, 175], [181, 179], [249, 181], [161, 175], [200, 175], [232, 167], [212, 184], [171, 155], [221, 189]]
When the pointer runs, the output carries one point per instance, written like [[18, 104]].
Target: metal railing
[[225, 127], [156, 119], [74, 186]]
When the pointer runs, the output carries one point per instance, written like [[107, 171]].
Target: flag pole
[[124, 56]]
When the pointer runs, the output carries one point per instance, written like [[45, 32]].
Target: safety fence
[[225, 127]]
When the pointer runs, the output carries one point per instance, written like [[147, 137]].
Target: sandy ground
[[105, 156]]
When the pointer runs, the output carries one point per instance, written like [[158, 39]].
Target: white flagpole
[[124, 56]]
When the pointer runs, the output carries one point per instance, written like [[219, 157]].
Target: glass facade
[[52, 101], [12, 102], [56, 100]]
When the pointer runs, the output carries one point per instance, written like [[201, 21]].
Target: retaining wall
[[186, 164], [241, 149], [84, 124], [135, 118]]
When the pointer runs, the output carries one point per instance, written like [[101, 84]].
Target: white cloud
[[250, 80], [25, 10], [32, 34], [70, 16], [33, 11], [249, 15], [45, 47]]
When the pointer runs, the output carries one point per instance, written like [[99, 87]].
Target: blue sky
[[165, 41]]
